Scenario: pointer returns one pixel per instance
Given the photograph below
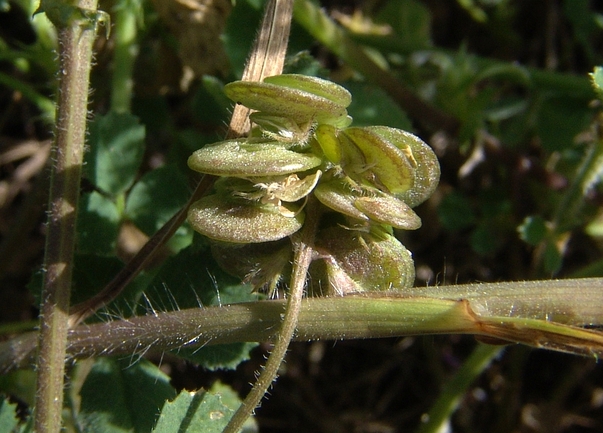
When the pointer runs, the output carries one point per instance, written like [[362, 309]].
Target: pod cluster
[[368, 180]]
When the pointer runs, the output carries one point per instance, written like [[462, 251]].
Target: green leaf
[[455, 212], [155, 198], [230, 398], [20, 384], [86, 284], [118, 397], [98, 225], [209, 103], [533, 230], [192, 279], [485, 240], [218, 357], [411, 20], [8, 416], [240, 33], [201, 412], [116, 150], [584, 26], [553, 258], [561, 118], [304, 63], [154, 113]]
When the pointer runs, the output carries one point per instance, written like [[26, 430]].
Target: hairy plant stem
[[75, 42], [303, 245], [541, 313], [546, 313]]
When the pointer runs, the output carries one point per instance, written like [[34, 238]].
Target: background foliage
[[519, 199]]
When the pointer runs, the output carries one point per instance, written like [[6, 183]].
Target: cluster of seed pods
[[367, 178]]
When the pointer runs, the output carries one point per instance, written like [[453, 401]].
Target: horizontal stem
[[509, 311], [513, 312]]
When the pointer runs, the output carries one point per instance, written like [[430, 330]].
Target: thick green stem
[[373, 315], [511, 311], [75, 42]]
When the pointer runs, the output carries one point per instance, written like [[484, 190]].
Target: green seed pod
[[387, 209], [224, 219], [427, 168], [355, 261], [294, 98], [365, 203], [383, 164], [318, 86], [240, 158], [337, 195]]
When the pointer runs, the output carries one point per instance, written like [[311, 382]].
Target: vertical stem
[[302, 256], [451, 395], [126, 50], [75, 42]]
